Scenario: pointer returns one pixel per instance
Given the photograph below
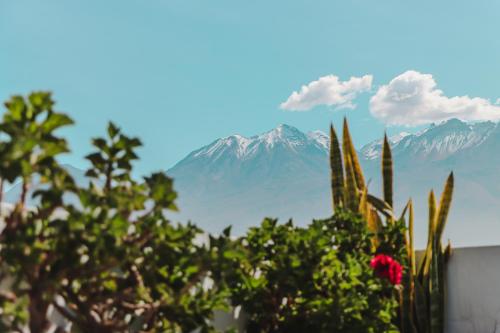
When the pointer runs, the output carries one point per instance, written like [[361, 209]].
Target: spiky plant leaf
[[405, 306], [424, 266], [375, 224], [363, 204], [435, 291], [405, 210], [444, 206], [421, 307], [411, 255], [371, 217], [441, 281], [336, 169], [381, 206], [432, 216], [387, 172], [408, 293], [349, 150], [447, 252], [351, 189]]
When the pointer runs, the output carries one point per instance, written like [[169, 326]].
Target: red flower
[[388, 268]]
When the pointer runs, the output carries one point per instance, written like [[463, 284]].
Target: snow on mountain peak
[[438, 140], [235, 143], [284, 134], [320, 137], [373, 149], [398, 137], [243, 147]]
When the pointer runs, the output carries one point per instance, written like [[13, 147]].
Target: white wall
[[224, 321], [473, 297]]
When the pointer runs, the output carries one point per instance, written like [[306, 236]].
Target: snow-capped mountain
[[373, 150], [423, 160], [284, 173], [237, 180], [320, 138], [436, 142], [243, 148]]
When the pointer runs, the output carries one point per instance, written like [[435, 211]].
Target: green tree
[[104, 255], [28, 148]]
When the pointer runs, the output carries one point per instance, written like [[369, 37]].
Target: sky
[[182, 73]]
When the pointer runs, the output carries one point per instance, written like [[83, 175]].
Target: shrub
[[312, 279]]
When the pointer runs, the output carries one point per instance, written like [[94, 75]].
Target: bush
[[312, 279]]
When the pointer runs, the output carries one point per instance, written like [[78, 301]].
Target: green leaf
[[54, 121], [336, 169], [387, 171], [113, 130]]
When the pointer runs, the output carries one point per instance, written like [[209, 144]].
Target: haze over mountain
[[284, 173], [237, 180]]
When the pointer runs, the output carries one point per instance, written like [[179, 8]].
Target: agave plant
[[426, 291], [348, 184], [422, 296]]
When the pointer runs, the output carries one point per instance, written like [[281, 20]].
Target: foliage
[[311, 279], [27, 252], [106, 257]]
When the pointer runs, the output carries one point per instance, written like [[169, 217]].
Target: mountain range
[[284, 173], [236, 180]]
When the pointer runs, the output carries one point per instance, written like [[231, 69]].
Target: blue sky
[[181, 73]]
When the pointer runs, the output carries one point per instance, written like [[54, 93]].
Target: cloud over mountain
[[328, 90], [413, 98]]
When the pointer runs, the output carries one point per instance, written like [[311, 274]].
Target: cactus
[[422, 299]]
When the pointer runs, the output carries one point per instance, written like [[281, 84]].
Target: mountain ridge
[[247, 146], [290, 177], [284, 173]]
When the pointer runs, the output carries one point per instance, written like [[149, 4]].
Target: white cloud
[[328, 90], [413, 99]]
